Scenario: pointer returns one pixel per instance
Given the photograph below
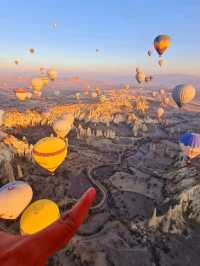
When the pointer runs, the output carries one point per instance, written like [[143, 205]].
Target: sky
[[122, 30]]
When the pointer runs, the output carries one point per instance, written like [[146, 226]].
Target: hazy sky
[[122, 30]]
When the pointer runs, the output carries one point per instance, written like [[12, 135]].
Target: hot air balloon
[[20, 94], [77, 96], [162, 92], [2, 112], [149, 52], [160, 112], [29, 95], [62, 127], [190, 144], [45, 81], [14, 198], [32, 51], [49, 153], [161, 43], [52, 74], [147, 79], [39, 215], [42, 69], [140, 77], [183, 93], [37, 84], [16, 62], [161, 62]]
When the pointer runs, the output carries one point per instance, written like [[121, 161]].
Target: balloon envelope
[[140, 77], [52, 74], [39, 215], [14, 198], [37, 84], [21, 94], [49, 153], [183, 93], [161, 43], [190, 144]]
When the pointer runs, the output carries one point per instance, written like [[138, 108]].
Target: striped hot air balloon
[[190, 144], [49, 153]]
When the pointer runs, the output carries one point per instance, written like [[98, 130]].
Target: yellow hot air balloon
[[61, 127], [52, 74], [161, 62], [37, 84], [160, 112], [45, 81], [29, 95], [14, 198], [21, 94], [49, 153], [39, 215], [161, 43]]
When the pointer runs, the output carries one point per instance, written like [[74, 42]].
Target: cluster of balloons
[[37, 84], [14, 199]]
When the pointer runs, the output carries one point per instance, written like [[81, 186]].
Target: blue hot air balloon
[[190, 144]]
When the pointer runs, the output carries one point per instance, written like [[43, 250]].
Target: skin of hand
[[34, 250]]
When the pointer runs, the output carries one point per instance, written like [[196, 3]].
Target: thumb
[[58, 234]]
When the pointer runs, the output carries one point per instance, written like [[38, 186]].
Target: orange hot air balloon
[[161, 43], [37, 84], [21, 94]]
